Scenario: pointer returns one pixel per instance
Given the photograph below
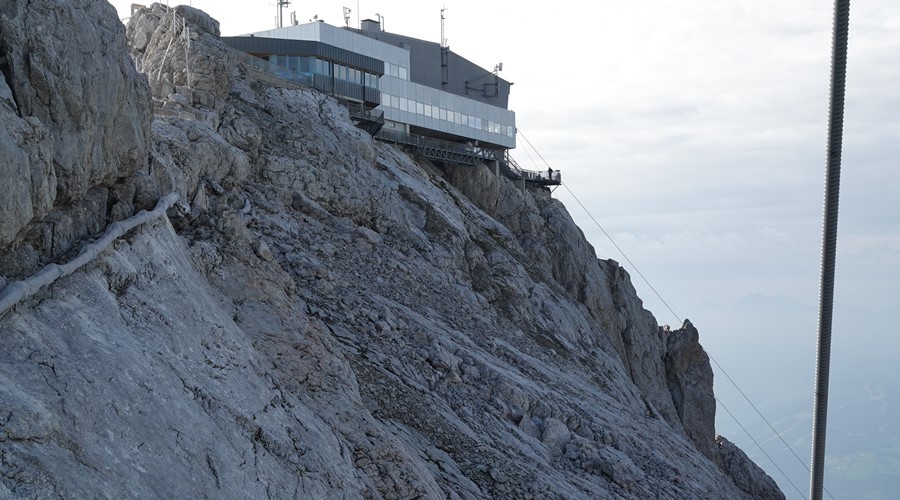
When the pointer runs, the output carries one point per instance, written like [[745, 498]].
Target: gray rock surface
[[75, 116], [325, 317], [690, 381], [746, 474]]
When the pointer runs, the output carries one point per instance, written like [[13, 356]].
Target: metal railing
[[369, 119], [512, 170], [438, 149]]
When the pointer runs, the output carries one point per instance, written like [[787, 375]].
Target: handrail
[[420, 141], [513, 170], [359, 111], [21, 290]]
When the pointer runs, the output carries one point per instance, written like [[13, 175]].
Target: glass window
[[395, 102], [323, 67], [477, 122], [394, 71], [450, 116], [420, 108], [442, 114], [404, 104], [403, 73], [303, 65], [428, 110]]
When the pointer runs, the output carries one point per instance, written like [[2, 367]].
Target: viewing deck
[[511, 169]]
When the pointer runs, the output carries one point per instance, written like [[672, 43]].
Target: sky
[[693, 131]]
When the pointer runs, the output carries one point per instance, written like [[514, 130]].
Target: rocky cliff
[[321, 315]]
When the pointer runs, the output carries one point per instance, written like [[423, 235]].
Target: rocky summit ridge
[[321, 315]]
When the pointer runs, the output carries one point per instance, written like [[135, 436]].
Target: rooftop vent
[[370, 25]]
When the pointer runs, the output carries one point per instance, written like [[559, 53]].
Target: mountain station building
[[400, 89]]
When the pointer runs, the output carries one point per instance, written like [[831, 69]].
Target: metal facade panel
[[262, 45]]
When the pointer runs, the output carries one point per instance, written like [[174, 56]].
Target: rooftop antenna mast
[[281, 4], [445, 54], [443, 38]]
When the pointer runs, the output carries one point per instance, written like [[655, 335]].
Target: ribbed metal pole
[[829, 241]]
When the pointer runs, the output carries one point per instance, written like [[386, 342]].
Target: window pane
[[403, 73], [420, 108]]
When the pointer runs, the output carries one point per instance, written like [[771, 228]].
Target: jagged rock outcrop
[[690, 381], [326, 317], [178, 50], [744, 473], [76, 121]]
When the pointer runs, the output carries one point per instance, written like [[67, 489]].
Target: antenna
[[443, 39], [347, 16], [281, 4]]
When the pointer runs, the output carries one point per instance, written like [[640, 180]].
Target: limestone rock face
[[746, 474], [690, 380], [556, 247], [26, 171], [65, 65], [75, 117], [324, 316], [178, 49]]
